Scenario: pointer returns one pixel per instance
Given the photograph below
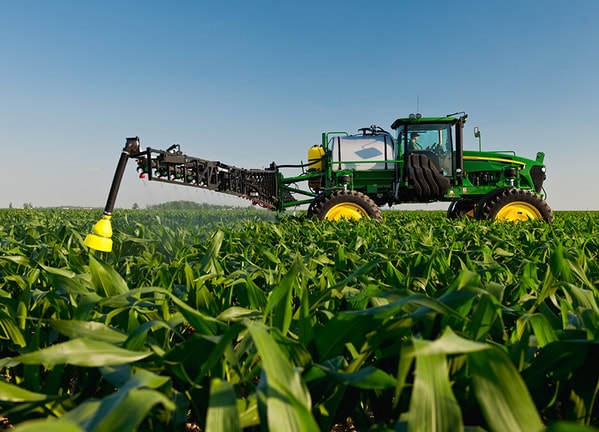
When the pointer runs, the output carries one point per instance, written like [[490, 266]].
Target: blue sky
[[251, 82]]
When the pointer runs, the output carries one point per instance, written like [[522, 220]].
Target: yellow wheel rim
[[346, 210], [518, 211]]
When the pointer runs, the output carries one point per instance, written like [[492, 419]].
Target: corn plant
[[230, 321]]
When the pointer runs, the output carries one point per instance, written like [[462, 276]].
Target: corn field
[[234, 321]]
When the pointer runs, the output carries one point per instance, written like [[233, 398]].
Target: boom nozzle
[[100, 237]]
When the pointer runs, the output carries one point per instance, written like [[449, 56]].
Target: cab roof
[[417, 119]]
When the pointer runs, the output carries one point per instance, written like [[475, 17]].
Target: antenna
[[418, 103]]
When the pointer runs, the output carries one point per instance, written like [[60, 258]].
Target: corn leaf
[[104, 278], [279, 300], [93, 330], [60, 425], [125, 409], [501, 393], [10, 330], [14, 394], [433, 406], [78, 352], [222, 413], [288, 402], [366, 378]]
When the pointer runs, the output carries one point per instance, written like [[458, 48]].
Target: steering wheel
[[437, 148]]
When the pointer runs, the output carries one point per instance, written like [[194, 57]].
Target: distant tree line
[[186, 205]]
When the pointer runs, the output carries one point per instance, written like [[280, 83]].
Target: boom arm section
[[173, 166]]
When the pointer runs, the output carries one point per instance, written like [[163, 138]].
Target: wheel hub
[[346, 210], [518, 211]]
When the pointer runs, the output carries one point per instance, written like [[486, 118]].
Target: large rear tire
[[346, 204], [515, 205]]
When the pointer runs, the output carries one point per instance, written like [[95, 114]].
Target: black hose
[[302, 165]]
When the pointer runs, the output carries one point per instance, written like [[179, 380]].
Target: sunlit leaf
[[287, 398], [59, 425], [79, 352], [222, 413], [433, 406], [105, 279], [502, 394], [81, 329], [14, 394]]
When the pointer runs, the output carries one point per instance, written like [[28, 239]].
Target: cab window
[[434, 140]]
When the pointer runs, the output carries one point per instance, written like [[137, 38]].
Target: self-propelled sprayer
[[352, 175]]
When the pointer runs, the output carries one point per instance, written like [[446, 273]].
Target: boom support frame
[[261, 186]]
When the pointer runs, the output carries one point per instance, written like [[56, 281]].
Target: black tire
[[347, 204], [427, 182], [313, 207], [461, 208], [514, 204]]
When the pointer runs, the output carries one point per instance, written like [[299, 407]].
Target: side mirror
[[477, 135]]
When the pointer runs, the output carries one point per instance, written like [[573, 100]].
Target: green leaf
[[501, 393], [17, 259], [202, 323], [78, 352], [369, 377], [105, 279], [449, 343], [207, 264], [541, 327], [256, 296], [482, 318], [126, 408], [10, 330], [15, 394], [562, 426], [222, 413], [558, 360], [343, 328], [280, 299], [93, 330], [433, 406], [53, 425], [218, 349], [287, 398], [126, 414], [65, 280], [236, 313]]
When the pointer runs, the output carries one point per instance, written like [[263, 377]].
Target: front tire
[[461, 208], [515, 205], [346, 204], [314, 205]]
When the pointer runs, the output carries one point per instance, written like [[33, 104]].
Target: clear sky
[[251, 82]]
